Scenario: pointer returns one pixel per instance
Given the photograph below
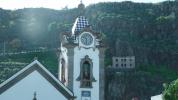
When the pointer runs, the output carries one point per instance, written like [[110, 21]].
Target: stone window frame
[[63, 69], [92, 79]]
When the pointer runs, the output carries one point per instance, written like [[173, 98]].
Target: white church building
[[81, 70]]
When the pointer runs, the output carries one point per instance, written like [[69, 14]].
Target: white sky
[[56, 4]]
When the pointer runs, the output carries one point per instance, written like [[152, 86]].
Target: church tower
[[83, 60]]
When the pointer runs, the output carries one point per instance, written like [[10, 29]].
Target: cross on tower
[[34, 98], [81, 1]]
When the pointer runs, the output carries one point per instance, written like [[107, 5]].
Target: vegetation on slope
[[140, 83], [171, 91], [11, 64], [147, 31]]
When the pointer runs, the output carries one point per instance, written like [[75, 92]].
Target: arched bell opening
[[86, 73]]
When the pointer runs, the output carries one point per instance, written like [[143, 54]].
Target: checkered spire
[[80, 23]]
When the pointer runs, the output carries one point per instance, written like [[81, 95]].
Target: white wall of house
[[79, 54], [157, 97], [123, 62], [25, 88]]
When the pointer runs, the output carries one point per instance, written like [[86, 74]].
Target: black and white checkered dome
[[80, 23]]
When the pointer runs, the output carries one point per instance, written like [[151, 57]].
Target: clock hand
[[87, 40]]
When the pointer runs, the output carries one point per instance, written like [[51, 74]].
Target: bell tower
[[84, 60]]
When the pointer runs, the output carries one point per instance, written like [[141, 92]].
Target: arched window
[[86, 73], [86, 79], [63, 80]]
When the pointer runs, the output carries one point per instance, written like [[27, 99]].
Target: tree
[[171, 91]]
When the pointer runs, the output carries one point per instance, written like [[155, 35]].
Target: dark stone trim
[[101, 74], [43, 73], [88, 29], [70, 45], [91, 71], [70, 67]]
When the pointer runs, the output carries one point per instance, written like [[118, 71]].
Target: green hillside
[[10, 64], [147, 31], [150, 29]]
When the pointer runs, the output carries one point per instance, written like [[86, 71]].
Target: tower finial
[[34, 98], [35, 58], [81, 8]]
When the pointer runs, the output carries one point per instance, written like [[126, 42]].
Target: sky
[[56, 4]]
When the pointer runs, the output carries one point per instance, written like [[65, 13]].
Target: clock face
[[86, 39]]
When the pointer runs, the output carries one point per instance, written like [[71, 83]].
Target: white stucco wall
[[78, 55], [157, 97], [25, 89]]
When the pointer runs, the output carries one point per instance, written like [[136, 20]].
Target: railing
[[26, 51], [11, 65]]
